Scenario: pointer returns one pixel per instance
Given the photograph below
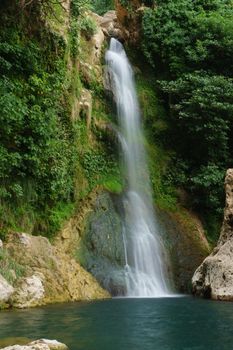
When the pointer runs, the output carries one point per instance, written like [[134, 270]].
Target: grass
[[9, 268]]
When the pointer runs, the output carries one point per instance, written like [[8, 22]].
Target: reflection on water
[[127, 324]]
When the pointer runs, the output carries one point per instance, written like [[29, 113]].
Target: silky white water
[[144, 253]]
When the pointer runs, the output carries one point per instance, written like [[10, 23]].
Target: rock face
[[130, 19], [101, 250], [185, 243], [50, 275], [214, 277], [110, 26], [41, 344]]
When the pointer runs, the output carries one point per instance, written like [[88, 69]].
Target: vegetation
[[189, 44], [102, 6], [155, 124], [9, 268], [40, 153]]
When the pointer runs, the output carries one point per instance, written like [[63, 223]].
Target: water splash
[[144, 253]]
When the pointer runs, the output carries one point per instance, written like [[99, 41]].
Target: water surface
[[128, 324]]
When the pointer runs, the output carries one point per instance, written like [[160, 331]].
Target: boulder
[[214, 277], [41, 344], [29, 291], [52, 344], [6, 290]]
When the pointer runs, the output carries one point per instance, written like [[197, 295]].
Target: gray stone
[[52, 344], [29, 291], [41, 344], [102, 249], [214, 277]]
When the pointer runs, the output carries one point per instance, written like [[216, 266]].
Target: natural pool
[[127, 324]]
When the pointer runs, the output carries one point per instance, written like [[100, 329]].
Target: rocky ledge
[[214, 277], [35, 272], [41, 344]]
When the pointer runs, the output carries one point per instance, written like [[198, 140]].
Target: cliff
[[62, 153], [214, 277], [60, 179]]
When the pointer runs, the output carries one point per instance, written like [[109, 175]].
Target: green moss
[[154, 124], [58, 215], [113, 185]]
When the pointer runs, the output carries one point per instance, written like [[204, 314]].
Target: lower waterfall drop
[[144, 252]]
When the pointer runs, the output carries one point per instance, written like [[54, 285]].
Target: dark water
[[128, 324]]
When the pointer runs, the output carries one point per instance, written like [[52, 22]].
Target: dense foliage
[[48, 159], [37, 138], [190, 45], [102, 6]]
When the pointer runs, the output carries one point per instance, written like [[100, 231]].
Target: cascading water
[[144, 270]]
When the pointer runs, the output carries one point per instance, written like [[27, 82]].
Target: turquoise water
[[128, 324]]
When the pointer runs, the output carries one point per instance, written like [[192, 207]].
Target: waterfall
[[144, 253]]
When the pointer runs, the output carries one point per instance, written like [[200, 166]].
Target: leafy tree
[[190, 45], [102, 6]]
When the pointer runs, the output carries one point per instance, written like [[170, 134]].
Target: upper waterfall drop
[[144, 252]]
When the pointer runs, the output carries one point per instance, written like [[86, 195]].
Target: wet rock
[[102, 250], [214, 277], [6, 290]]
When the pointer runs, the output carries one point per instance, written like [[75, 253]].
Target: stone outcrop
[[214, 277], [41, 344], [109, 25], [129, 18], [50, 275], [101, 249]]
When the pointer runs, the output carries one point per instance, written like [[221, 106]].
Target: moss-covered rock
[[186, 244], [102, 251]]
